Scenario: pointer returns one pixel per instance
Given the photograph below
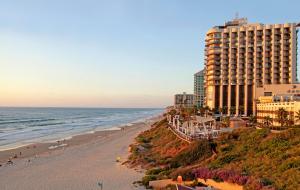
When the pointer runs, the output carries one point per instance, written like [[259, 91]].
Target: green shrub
[[290, 164], [146, 179], [197, 151], [154, 171]]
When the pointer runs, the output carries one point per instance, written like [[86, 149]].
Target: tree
[[195, 109], [226, 122], [268, 121], [224, 110], [232, 110], [297, 116], [241, 110], [202, 111], [282, 116], [252, 120], [206, 110], [289, 122]]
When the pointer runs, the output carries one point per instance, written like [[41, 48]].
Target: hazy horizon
[[114, 54]]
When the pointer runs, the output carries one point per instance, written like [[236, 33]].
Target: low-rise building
[[184, 100], [268, 106]]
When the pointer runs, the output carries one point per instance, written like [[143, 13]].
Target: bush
[[154, 171], [197, 151], [266, 182], [146, 179], [221, 175]]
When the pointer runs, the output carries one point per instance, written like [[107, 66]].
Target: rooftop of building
[[238, 22], [202, 72], [184, 93]]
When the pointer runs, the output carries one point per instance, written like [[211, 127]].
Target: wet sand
[[79, 163]]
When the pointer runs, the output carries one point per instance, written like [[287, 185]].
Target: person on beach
[[10, 162], [100, 184]]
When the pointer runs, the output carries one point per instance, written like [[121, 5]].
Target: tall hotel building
[[240, 57]]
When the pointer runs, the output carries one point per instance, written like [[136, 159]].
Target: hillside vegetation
[[258, 159]]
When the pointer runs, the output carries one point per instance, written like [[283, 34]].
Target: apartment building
[[199, 88], [241, 56], [184, 100]]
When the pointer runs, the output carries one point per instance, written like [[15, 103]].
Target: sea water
[[22, 126]]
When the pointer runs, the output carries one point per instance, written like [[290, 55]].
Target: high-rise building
[[199, 88], [240, 56], [184, 100]]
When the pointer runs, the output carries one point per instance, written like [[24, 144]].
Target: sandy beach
[[78, 163]]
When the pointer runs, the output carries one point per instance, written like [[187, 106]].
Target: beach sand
[[86, 160]]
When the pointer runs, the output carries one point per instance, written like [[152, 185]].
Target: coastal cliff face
[[256, 159]]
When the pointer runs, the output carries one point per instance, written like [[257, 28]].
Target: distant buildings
[[241, 57], [184, 100], [199, 91]]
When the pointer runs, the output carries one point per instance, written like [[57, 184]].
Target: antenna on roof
[[237, 15]]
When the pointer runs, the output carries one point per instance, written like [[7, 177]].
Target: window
[[267, 93]]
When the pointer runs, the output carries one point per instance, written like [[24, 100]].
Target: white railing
[[192, 130]]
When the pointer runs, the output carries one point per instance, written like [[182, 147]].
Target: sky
[[112, 53]]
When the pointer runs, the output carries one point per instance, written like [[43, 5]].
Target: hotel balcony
[[225, 82], [268, 49], [285, 66], [277, 31], [267, 73], [250, 66], [224, 72], [268, 81], [268, 38], [250, 51], [250, 77], [268, 59], [250, 34], [286, 54], [259, 49], [277, 54]]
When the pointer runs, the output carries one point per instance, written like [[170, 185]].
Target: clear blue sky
[[114, 53]]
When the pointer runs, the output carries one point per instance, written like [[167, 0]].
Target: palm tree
[[297, 116], [252, 120], [268, 121], [282, 116], [289, 122]]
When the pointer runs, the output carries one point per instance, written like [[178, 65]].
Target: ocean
[[22, 126]]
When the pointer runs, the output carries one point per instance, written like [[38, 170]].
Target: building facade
[[184, 100], [199, 91], [240, 57], [268, 106]]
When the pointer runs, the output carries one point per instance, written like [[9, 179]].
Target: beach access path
[[78, 167]]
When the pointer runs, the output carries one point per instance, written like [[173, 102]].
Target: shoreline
[[87, 160], [36, 148]]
